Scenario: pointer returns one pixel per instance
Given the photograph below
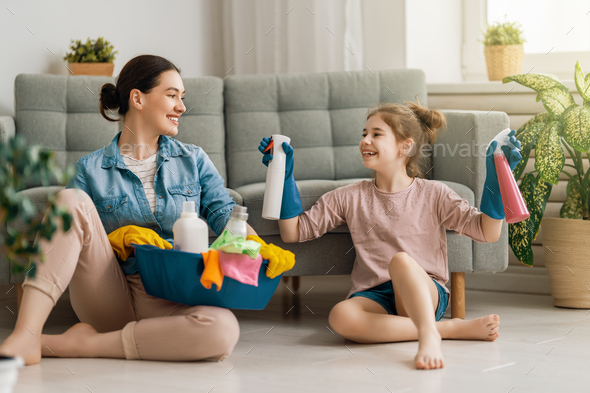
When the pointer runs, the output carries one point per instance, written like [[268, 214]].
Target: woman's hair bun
[[109, 99]]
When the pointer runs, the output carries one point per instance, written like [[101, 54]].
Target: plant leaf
[[556, 100], [528, 140], [572, 207], [582, 83], [541, 196], [576, 127], [537, 82], [520, 235], [549, 157], [540, 118]]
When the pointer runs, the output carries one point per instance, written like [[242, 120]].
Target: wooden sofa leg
[[458, 295], [19, 295]]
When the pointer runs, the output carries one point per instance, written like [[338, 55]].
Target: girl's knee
[[345, 320], [401, 260]]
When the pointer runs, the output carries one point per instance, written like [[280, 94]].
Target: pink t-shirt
[[382, 224]]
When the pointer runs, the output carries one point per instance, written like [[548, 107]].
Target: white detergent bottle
[[237, 224], [191, 233], [275, 179]]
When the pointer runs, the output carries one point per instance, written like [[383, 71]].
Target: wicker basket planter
[[503, 60], [567, 258], [104, 69]]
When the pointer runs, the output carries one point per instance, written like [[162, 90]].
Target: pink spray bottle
[[515, 208]]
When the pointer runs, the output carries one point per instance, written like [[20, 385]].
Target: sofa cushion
[[323, 114], [310, 191]]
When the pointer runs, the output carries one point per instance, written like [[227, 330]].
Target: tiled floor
[[541, 349]]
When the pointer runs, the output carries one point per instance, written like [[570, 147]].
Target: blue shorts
[[383, 295]]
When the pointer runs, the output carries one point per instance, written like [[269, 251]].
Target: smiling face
[[163, 104], [379, 147]]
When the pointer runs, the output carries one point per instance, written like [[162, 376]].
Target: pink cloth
[[240, 267], [382, 224]]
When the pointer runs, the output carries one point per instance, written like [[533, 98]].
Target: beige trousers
[[104, 297]]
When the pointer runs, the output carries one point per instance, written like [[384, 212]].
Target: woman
[[141, 178]]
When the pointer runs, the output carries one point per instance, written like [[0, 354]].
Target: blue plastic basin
[[176, 276]]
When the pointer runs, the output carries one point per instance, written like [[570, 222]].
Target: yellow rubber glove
[[279, 260], [122, 238]]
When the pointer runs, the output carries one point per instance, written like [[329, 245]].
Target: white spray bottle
[[191, 233], [515, 208], [275, 179]]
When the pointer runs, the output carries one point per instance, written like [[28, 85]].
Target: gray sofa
[[323, 113]]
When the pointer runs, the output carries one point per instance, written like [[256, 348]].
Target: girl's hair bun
[[432, 119]]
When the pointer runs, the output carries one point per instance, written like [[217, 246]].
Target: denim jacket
[[183, 173]]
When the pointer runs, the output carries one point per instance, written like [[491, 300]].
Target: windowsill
[[487, 87]]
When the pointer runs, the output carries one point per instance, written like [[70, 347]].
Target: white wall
[[186, 32], [433, 39], [384, 32], [397, 34]]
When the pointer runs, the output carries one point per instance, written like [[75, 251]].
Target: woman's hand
[[279, 260]]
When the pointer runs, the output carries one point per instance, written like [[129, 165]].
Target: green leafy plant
[[565, 125], [93, 51], [19, 161], [507, 33]]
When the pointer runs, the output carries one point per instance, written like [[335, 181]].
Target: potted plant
[[503, 49], [95, 57], [18, 161], [565, 126]]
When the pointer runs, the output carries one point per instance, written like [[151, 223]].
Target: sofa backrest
[[322, 113], [60, 113]]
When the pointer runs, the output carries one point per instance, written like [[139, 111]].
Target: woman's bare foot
[[24, 344], [429, 354], [73, 343], [484, 328]]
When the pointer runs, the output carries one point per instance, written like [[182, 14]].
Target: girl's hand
[[491, 200], [266, 154], [267, 157], [291, 202]]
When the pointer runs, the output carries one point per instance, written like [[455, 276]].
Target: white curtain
[[282, 36]]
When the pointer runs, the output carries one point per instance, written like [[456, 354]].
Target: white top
[[145, 170]]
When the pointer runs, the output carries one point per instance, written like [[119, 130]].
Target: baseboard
[[517, 279]]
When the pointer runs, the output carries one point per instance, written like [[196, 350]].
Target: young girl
[[141, 178], [397, 222]]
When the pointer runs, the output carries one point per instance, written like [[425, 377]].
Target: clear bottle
[[191, 233], [237, 224]]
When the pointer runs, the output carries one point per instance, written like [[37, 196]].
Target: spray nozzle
[[503, 139], [270, 145]]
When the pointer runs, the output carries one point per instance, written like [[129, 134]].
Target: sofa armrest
[[7, 128], [459, 156]]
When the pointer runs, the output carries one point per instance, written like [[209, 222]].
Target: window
[[557, 34]]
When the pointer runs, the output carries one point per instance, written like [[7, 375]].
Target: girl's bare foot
[[484, 328], [73, 343], [24, 344], [429, 354]]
